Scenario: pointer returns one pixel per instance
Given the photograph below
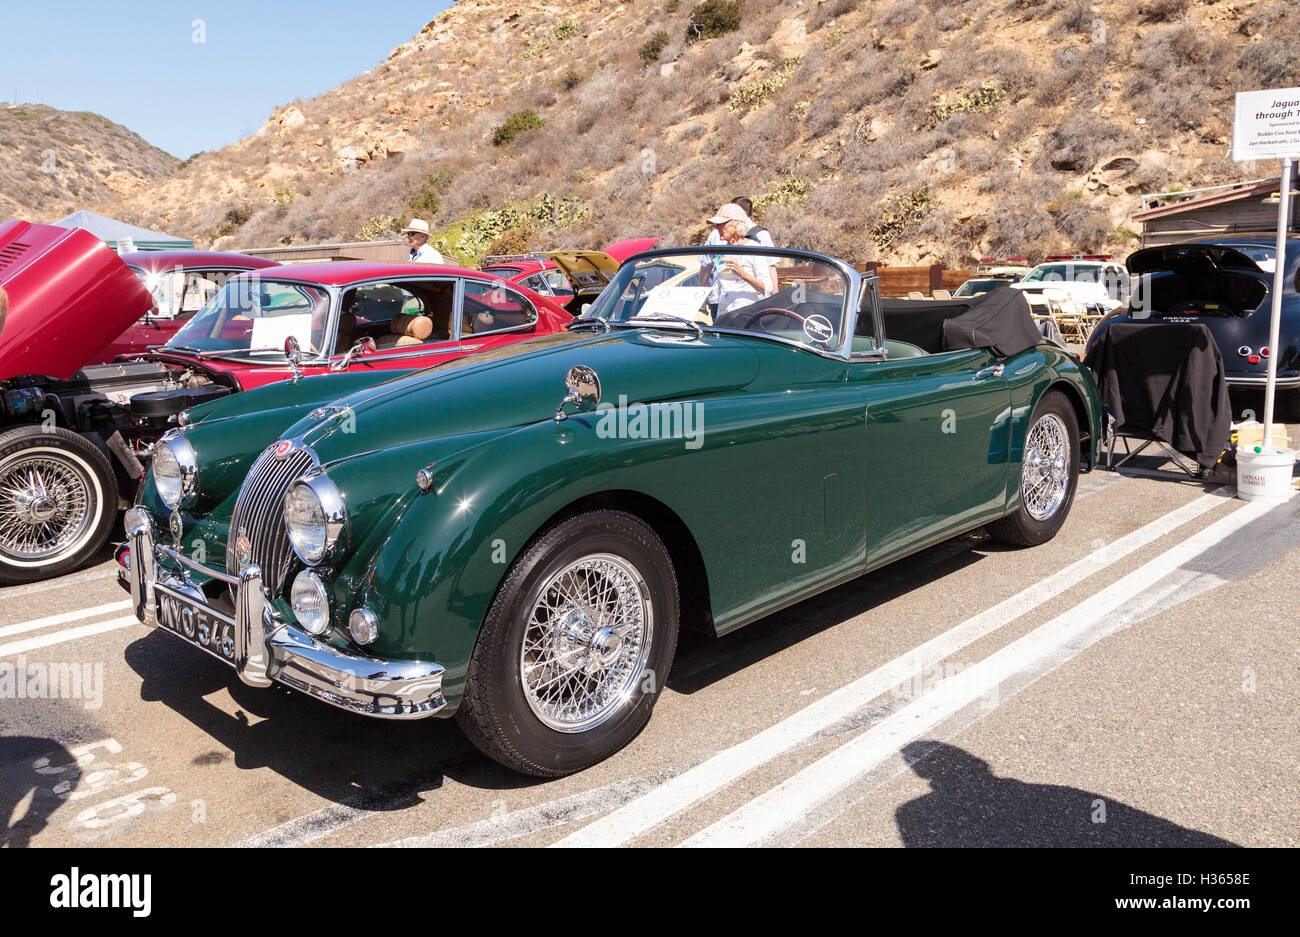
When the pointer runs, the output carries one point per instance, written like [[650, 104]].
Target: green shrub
[[986, 98], [571, 79], [754, 93], [672, 5], [909, 209], [564, 29], [234, 220], [654, 46], [428, 197], [514, 125], [713, 18]]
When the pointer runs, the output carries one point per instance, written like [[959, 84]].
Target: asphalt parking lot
[[1131, 683]]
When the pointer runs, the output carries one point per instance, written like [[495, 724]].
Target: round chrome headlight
[[311, 602], [175, 471], [314, 517]]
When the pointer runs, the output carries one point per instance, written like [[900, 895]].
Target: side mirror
[[362, 346], [584, 392], [293, 351]]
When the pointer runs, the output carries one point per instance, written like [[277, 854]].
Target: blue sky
[[137, 62]]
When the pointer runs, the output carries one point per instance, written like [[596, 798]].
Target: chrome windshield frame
[[852, 298]]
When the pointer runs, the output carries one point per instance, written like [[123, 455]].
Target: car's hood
[[589, 271], [68, 297], [1069, 287], [523, 383], [622, 250], [1179, 257]]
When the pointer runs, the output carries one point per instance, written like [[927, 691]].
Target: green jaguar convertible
[[515, 538]]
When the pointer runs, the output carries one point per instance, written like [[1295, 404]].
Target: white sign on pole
[[1267, 125]]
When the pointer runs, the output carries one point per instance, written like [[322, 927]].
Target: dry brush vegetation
[[909, 130]]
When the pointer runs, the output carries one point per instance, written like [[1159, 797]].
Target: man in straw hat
[[417, 239]]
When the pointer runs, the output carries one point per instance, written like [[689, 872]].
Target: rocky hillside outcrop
[[907, 130], [53, 162]]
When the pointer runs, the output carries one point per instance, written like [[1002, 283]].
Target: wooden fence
[[899, 281]]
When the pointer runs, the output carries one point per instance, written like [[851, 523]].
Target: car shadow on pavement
[[32, 773], [703, 660], [369, 764], [970, 806]]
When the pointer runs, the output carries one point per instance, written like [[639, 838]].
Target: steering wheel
[[775, 311], [790, 314]]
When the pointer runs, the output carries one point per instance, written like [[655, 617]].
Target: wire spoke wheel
[[47, 505], [586, 642], [1045, 478]]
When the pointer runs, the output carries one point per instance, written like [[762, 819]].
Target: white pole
[[1279, 277]]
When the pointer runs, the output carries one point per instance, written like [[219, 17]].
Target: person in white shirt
[[739, 280], [417, 239]]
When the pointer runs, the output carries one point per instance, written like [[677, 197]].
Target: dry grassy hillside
[[53, 162], [912, 130]]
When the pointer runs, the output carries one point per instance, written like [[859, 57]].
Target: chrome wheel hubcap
[[45, 506], [1045, 476], [586, 642]]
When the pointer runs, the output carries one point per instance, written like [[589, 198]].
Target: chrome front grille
[[259, 516]]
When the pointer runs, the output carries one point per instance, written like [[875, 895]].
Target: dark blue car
[[1227, 284]]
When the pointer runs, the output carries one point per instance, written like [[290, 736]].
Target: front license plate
[[198, 624]]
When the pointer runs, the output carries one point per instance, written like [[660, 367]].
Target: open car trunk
[[1193, 280]]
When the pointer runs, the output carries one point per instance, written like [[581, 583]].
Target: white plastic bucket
[[1265, 476]]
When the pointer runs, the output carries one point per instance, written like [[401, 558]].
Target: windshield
[[976, 287], [177, 291], [1265, 257], [796, 297], [1067, 272], [251, 316]]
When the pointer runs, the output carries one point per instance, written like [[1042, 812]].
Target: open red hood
[[68, 297]]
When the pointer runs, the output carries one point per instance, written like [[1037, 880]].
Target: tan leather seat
[[406, 330]]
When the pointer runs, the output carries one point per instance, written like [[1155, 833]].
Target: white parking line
[[1039, 652], [37, 624], [17, 592], [682, 792], [70, 634]]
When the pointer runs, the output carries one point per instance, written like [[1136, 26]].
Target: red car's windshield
[[251, 316]]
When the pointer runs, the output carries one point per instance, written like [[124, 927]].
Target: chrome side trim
[[1261, 381]]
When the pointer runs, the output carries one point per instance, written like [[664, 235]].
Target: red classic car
[[75, 439], [571, 278], [181, 283]]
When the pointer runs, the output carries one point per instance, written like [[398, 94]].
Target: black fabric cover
[[920, 321], [1164, 380], [998, 320]]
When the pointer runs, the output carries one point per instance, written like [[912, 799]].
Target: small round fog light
[[363, 625], [311, 604]]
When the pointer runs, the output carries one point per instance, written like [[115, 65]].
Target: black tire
[[60, 472], [504, 719], [1022, 528]]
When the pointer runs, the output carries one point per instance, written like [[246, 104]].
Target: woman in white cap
[[739, 280], [417, 239]]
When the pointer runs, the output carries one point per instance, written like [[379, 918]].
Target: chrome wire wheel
[[1045, 474], [586, 642], [49, 505]]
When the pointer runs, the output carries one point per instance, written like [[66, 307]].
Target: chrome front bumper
[[267, 649]]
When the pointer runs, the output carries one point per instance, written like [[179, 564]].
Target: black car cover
[[998, 320], [1164, 380]]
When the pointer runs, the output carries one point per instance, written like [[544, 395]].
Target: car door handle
[[994, 371]]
